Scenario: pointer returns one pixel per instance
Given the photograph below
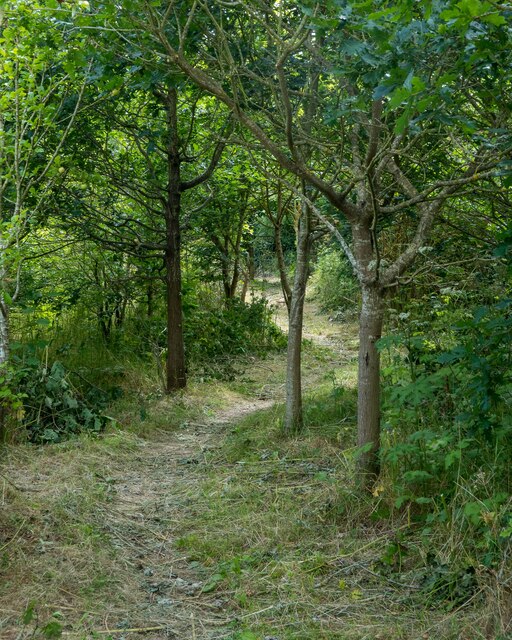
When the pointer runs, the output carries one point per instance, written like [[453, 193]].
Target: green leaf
[[472, 511], [471, 7], [28, 614], [402, 122], [495, 19], [452, 457], [7, 298], [399, 96], [381, 91], [212, 583], [417, 475], [408, 80], [52, 630]]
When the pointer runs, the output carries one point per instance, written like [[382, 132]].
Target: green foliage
[[443, 585], [214, 336], [50, 630], [10, 400], [448, 427], [335, 286], [54, 410]]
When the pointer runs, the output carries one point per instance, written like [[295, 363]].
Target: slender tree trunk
[[368, 402], [4, 357], [249, 273], [121, 311], [281, 265], [176, 371], [235, 278], [293, 420], [149, 300], [238, 242], [226, 280], [4, 333]]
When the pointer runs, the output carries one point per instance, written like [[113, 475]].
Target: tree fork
[[294, 420]]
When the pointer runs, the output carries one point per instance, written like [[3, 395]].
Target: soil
[[149, 498]]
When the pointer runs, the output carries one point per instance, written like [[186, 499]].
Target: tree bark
[[4, 357], [249, 273], [281, 265], [176, 370], [4, 333], [368, 400], [294, 419]]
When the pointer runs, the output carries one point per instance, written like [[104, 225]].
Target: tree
[[40, 97], [395, 131], [139, 149], [223, 226]]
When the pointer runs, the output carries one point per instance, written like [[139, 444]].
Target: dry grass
[[291, 544], [197, 520], [55, 551]]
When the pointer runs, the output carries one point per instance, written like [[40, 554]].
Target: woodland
[[256, 319]]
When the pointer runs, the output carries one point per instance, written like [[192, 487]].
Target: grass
[[286, 536], [55, 553], [274, 530]]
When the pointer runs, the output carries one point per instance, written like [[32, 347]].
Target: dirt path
[[171, 602], [135, 499], [149, 497]]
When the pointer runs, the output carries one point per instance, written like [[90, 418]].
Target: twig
[[255, 613], [132, 630], [14, 536], [12, 483]]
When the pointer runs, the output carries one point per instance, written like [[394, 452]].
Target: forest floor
[[197, 520]]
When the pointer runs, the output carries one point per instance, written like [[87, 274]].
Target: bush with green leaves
[[334, 284], [53, 409], [448, 428], [215, 336]]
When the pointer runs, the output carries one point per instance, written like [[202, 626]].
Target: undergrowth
[[285, 533], [62, 379], [333, 283], [276, 528]]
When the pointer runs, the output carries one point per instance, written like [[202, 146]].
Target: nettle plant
[[448, 424]]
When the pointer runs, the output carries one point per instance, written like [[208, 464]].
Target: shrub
[[54, 410], [214, 336], [448, 429], [334, 284]]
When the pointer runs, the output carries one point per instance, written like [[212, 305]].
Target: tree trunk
[[226, 279], [368, 401], [176, 372], [249, 273], [293, 420], [236, 277], [4, 333], [281, 264], [4, 357]]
